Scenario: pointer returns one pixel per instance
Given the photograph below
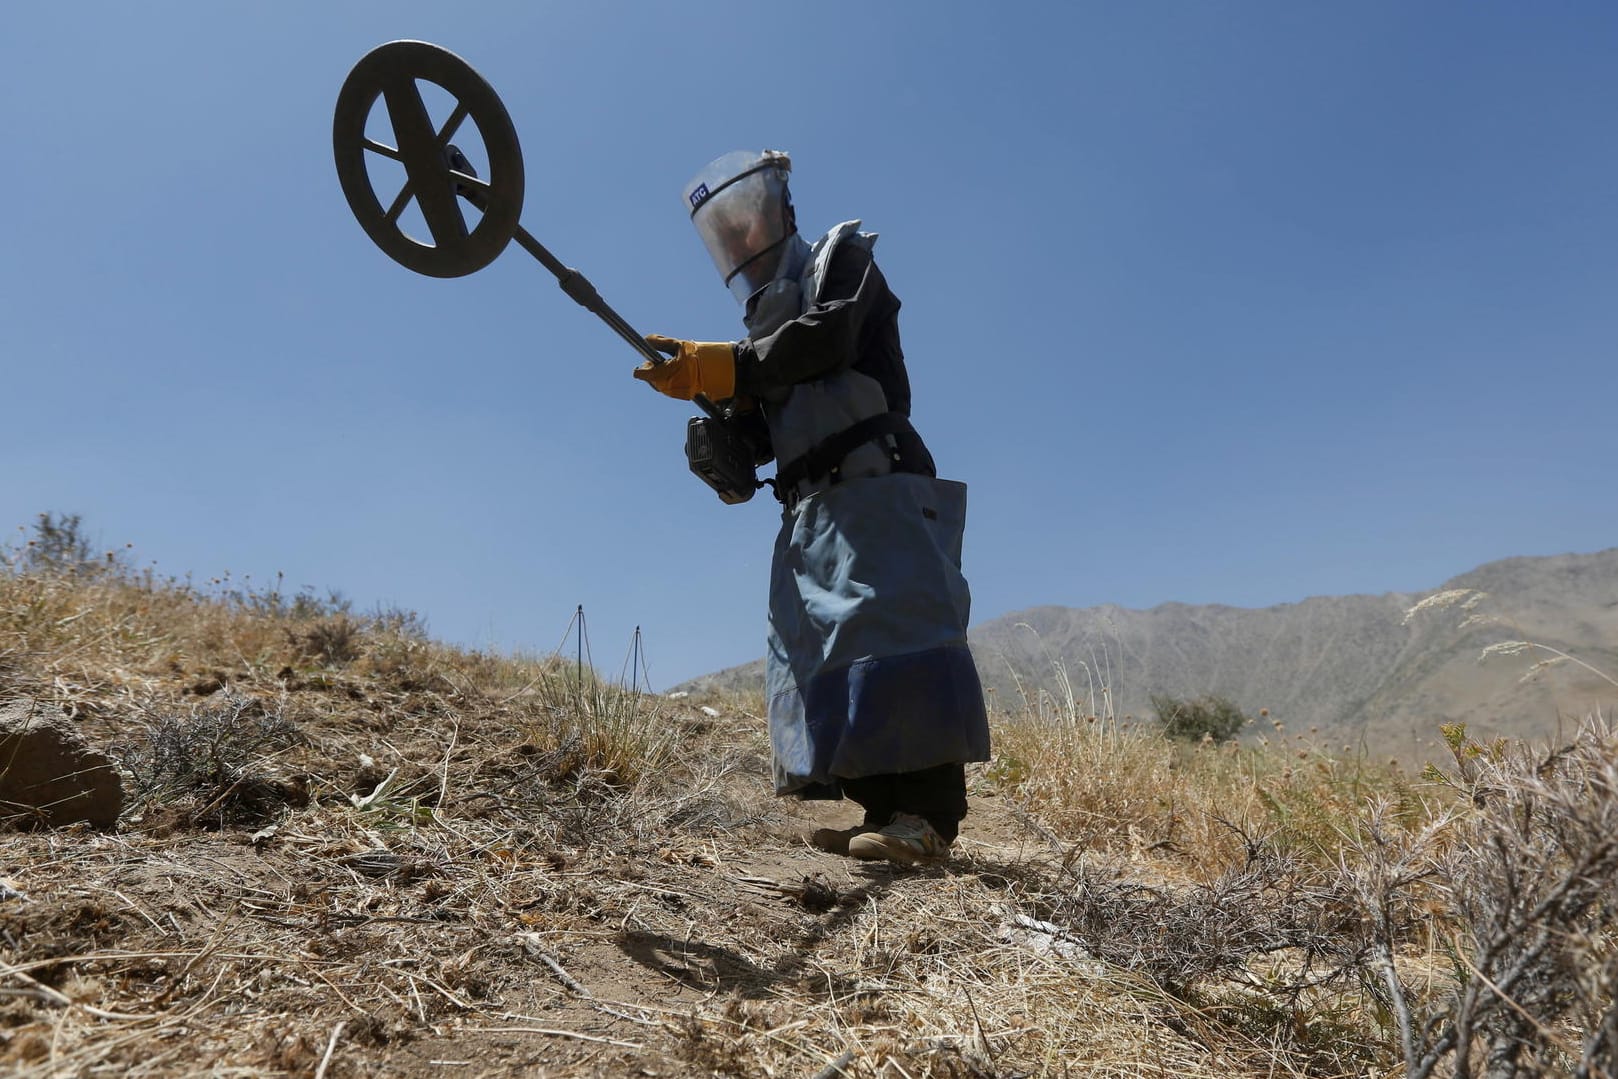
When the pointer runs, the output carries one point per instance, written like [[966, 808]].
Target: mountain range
[[1374, 672]]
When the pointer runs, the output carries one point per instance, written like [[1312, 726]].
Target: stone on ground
[[49, 775]]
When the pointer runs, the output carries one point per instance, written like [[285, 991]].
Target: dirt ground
[[412, 887], [346, 850]]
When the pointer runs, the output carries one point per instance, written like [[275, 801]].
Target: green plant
[[389, 806], [1206, 718]]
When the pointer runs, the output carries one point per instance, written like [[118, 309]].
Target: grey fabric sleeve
[[823, 339]]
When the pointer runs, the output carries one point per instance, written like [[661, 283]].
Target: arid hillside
[[346, 850], [1356, 667]]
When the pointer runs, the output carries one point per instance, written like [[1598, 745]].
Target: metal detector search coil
[[390, 72], [438, 176]]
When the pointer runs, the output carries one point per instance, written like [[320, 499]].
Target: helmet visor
[[740, 206]]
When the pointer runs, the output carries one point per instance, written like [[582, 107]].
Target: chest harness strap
[[825, 458]]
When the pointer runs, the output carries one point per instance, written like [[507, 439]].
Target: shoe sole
[[876, 847]]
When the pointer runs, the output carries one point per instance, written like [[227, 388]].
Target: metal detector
[[438, 176]]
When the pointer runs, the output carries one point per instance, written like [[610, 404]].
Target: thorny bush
[[1527, 872]]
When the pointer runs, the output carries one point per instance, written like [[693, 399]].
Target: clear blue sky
[[1233, 303]]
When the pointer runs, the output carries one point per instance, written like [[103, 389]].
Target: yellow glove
[[705, 367]]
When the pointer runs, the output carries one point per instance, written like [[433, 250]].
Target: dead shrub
[[216, 764], [333, 640], [1179, 935], [1527, 871]]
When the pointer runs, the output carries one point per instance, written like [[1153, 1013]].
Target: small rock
[[49, 775]]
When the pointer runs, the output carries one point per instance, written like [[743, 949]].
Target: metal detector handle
[[583, 293], [574, 283]]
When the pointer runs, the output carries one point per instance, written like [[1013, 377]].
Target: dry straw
[[352, 851]]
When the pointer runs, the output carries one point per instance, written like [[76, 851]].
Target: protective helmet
[[743, 212]]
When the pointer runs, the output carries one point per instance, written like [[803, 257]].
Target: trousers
[[938, 795]]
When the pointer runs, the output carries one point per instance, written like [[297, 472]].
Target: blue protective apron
[[868, 670]]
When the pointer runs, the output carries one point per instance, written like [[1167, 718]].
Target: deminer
[[872, 693]]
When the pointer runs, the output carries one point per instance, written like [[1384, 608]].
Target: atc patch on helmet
[[743, 212]]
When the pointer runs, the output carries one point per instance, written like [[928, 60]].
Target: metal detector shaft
[[578, 287], [583, 293]]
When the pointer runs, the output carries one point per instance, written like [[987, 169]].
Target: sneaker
[[835, 840], [908, 839]]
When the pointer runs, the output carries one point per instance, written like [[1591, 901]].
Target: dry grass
[[1118, 785], [352, 851]]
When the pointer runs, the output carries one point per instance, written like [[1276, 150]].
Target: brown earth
[[492, 913], [347, 850]]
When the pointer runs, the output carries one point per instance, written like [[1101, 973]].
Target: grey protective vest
[[812, 412]]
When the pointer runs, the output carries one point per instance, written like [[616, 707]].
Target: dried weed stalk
[[1179, 935], [1527, 875]]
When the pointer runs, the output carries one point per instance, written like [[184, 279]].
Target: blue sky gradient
[[1233, 303]]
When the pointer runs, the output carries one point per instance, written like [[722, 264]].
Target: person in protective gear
[[872, 692]]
